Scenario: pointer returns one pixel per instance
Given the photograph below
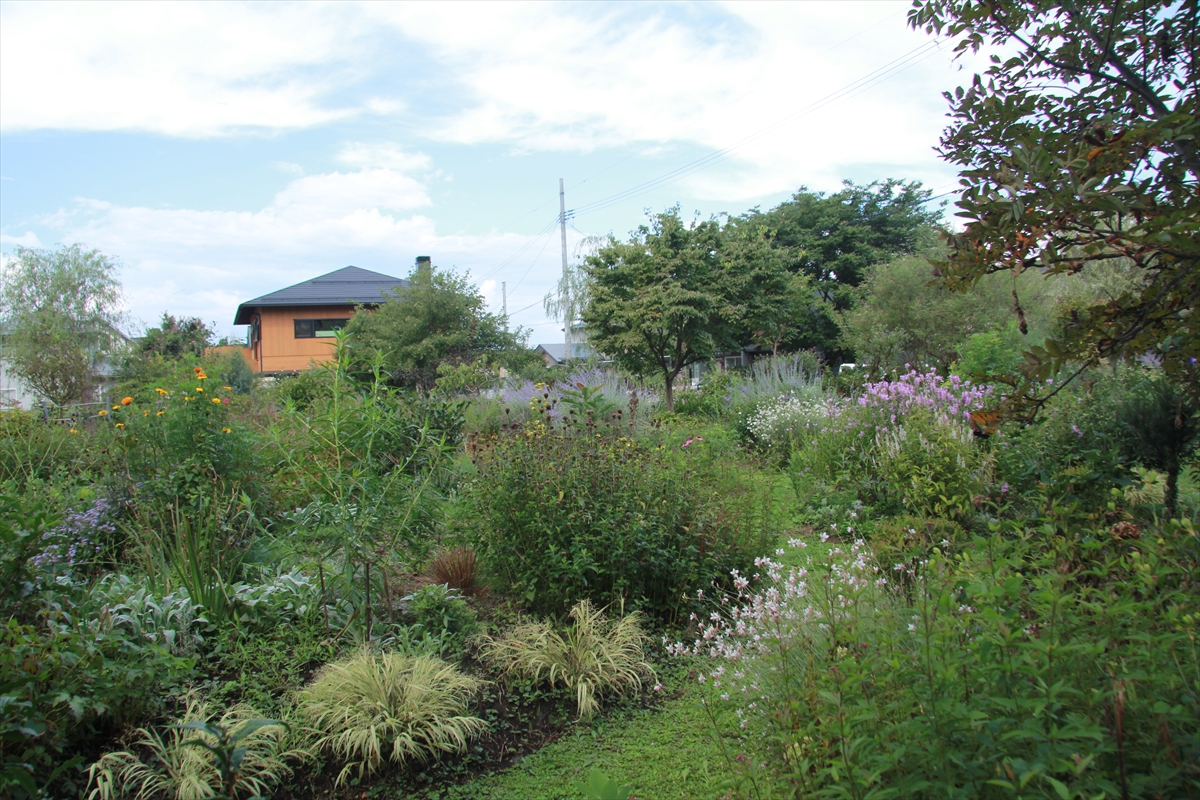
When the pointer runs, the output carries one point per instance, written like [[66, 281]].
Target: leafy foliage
[[203, 756], [677, 293], [437, 318], [1078, 150], [830, 241], [1005, 673], [566, 517], [59, 313], [372, 707], [592, 657]]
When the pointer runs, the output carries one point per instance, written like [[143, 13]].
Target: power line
[[529, 243], [868, 81]]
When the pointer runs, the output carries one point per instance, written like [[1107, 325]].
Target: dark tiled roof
[[346, 285], [557, 350]]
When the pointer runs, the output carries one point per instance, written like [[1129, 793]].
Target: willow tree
[[58, 314]]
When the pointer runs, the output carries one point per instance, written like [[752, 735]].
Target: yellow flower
[[217, 400], [160, 413], [186, 398], [74, 431], [126, 401], [226, 430], [102, 413], [146, 412], [227, 388], [120, 424], [200, 376], [199, 388], [162, 392], [116, 408]]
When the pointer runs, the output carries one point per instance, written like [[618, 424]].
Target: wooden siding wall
[[281, 351]]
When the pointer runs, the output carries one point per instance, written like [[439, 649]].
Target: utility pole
[[504, 300], [562, 219]]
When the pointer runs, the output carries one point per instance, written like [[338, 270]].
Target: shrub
[[174, 765], [592, 657], [903, 446], [613, 520], [372, 707], [443, 614], [1053, 661], [775, 423]]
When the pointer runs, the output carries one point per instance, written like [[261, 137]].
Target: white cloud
[[578, 77], [204, 263], [361, 154], [27, 239], [182, 69]]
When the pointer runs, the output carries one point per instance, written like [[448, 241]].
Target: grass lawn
[[662, 752]]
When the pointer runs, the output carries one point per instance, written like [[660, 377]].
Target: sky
[[221, 151]]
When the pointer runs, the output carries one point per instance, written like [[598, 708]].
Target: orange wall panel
[[282, 351]]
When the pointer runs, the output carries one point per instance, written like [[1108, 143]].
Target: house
[[555, 353], [294, 327]]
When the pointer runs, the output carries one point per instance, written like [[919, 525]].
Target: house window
[[318, 328], [733, 362]]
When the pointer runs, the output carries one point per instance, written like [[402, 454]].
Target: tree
[[173, 338], [832, 240], [1078, 151], [58, 309], [437, 318], [669, 297], [901, 315]]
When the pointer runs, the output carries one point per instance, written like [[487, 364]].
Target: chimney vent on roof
[[424, 262]]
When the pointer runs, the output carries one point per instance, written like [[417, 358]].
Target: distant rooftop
[[344, 286], [556, 350]]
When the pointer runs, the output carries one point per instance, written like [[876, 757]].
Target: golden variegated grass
[[372, 707], [593, 656], [163, 765]]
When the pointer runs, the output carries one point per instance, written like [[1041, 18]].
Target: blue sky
[[222, 151]]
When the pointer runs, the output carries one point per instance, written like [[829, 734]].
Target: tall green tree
[[676, 293], [59, 316], [1079, 150], [833, 239], [437, 318]]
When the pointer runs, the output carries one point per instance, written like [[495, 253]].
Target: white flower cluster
[[774, 422]]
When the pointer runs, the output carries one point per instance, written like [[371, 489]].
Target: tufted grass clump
[[174, 765], [371, 707], [593, 656]]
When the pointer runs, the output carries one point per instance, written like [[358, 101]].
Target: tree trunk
[[669, 391]]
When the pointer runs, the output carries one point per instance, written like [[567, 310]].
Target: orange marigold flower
[[126, 401], [162, 392], [197, 370], [200, 376], [227, 388], [120, 424], [74, 431], [226, 430], [102, 413]]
